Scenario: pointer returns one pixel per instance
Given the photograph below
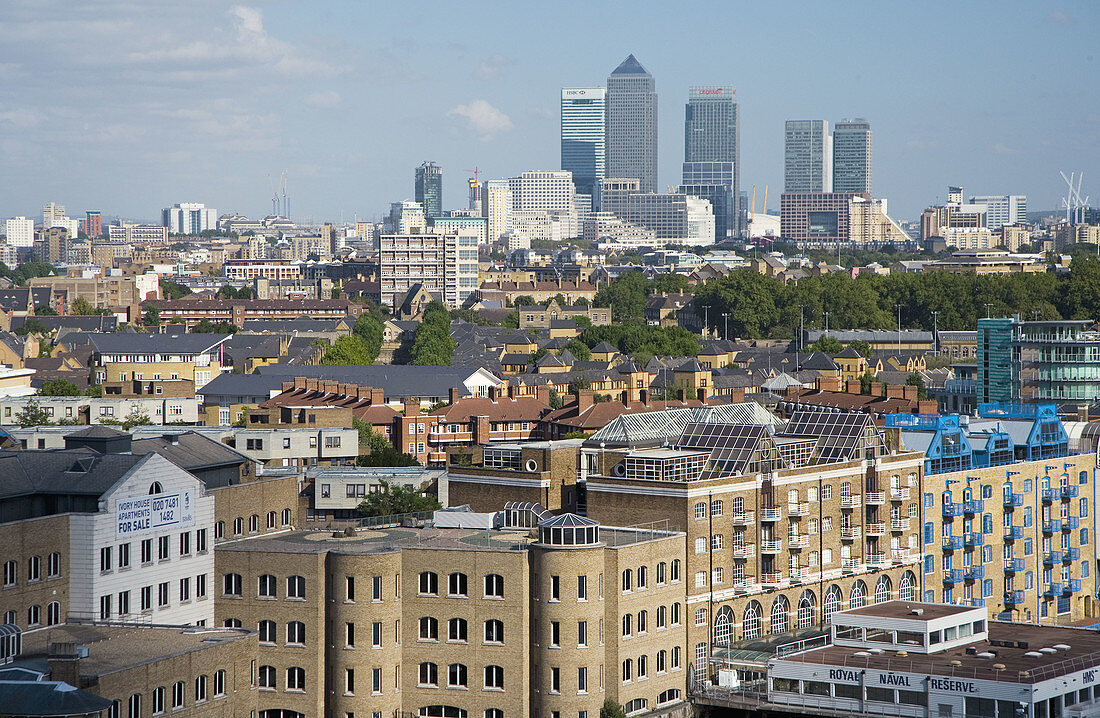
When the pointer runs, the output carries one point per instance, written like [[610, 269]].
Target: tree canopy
[[396, 499], [59, 387], [433, 345]]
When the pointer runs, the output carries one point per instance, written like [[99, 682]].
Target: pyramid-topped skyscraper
[[632, 124]]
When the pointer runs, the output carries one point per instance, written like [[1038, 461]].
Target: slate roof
[[301, 324], [190, 451], [396, 380], [230, 385], [849, 353], [115, 343], [49, 698], [604, 348], [50, 472], [94, 323], [818, 361]]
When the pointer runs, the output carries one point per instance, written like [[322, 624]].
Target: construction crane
[[286, 203], [274, 197], [1072, 201], [476, 172]]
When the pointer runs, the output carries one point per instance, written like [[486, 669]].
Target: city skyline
[[205, 102]]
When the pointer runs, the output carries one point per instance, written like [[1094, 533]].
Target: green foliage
[[578, 435], [611, 709], [31, 326], [83, 308], [59, 387], [524, 300], [826, 345], [151, 318], [229, 292], [864, 348], [43, 310], [555, 399], [511, 320], [368, 329], [433, 345], [380, 452], [471, 316], [578, 385], [32, 415], [536, 355], [865, 380], [635, 337], [94, 390], [171, 290], [915, 379], [581, 302], [25, 271], [136, 417], [205, 326], [579, 349], [626, 296], [582, 322], [348, 350]]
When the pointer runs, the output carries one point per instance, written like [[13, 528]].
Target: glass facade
[[429, 188], [584, 138]]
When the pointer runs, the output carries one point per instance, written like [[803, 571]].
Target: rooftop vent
[[955, 663], [902, 654], [1033, 654], [987, 654], [917, 612], [875, 651], [1061, 646], [1047, 650], [862, 654], [998, 666]]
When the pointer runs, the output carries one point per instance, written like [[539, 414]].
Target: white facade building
[[20, 232], [148, 554], [968, 237], [407, 217], [700, 222], [189, 218], [549, 192], [53, 214], [1002, 209], [498, 208]]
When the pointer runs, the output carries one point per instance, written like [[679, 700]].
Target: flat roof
[[114, 648], [904, 609], [1080, 649]]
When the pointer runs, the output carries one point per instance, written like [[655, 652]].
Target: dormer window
[[155, 488]]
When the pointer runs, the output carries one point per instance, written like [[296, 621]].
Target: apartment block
[[445, 264]]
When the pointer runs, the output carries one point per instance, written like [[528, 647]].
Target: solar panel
[[838, 433], [732, 445]]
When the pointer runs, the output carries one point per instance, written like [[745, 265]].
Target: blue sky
[[129, 106]]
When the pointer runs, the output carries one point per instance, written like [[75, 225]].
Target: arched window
[[628, 579], [295, 587], [723, 623], [494, 631], [643, 621], [429, 674], [780, 609], [155, 488], [286, 517], [296, 633], [905, 586], [494, 677], [271, 519], [232, 623], [494, 585], [177, 694], [494, 713], [267, 587], [750, 623], [662, 616], [295, 679], [716, 507], [701, 510], [456, 629], [429, 583], [456, 676], [858, 596], [661, 572], [806, 609], [267, 631], [457, 585], [429, 628], [882, 589], [231, 584], [831, 604], [643, 576], [238, 526], [135, 706], [53, 613], [253, 523], [219, 683], [674, 574], [627, 624], [267, 677]]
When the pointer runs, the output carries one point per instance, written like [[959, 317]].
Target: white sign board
[[150, 513]]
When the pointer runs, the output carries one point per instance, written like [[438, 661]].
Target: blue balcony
[[973, 506], [1068, 492], [1052, 557], [1014, 533], [1072, 554], [1052, 526], [975, 573], [977, 602], [1014, 597], [1070, 523], [974, 538], [950, 511], [952, 543], [1055, 589], [1012, 565], [1074, 585], [1049, 494], [953, 575], [1014, 500]]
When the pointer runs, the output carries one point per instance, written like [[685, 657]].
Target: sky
[[128, 106]]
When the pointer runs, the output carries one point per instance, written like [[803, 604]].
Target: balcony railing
[[798, 541], [974, 602], [773, 513], [771, 579], [1055, 589], [851, 501], [1014, 533], [850, 533], [1071, 554], [974, 538], [1049, 495], [899, 524], [876, 529], [975, 573], [1068, 492], [1074, 585], [952, 510], [1052, 557], [1014, 565], [899, 493], [745, 518], [952, 575], [901, 555], [952, 543], [876, 559], [1052, 526], [743, 584], [747, 550], [799, 574], [973, 506], [801, 509], [876, 498], [771, 546], [852, 563], [1014, 597], [1070, 523], [1013, 500]]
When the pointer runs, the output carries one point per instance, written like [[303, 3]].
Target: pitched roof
[[396, 380], [64, 472], [818, 361], [630, 66], [115, 343], [604, 348], [49, 698], [849, 353]]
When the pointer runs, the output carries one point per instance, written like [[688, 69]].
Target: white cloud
[[1059, 17], [482, 118], [491, 67], [325, 100]]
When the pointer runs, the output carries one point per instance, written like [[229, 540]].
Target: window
[[456, 585], [700, 545], [643, 576], [582, 633], [628, 670], [628, 575], [700, 579], [429, 583], [162, 595], [267, 631], [53, 565], [123, 555], [185, 543], [701, 510], [134, 706], [295, 679], [11, 573], [219, 683], [285, 517], [643, 666], [296, 587], [582, 680], [456, 630], [349, 681], [582, 588], [494, 586], [674, 575], [494, 677], [53, 612], [185, 589], [827, 492], [428, 675], [267, 677], [105, 607], [716, 542], [105, 559], [219, 530], [164, 548], [158, 699], [200, 688], [267, 587], [429, 628], [555, 680], [555, 588], [177, 694], [296, 633], [661, 573], [456, 676], [628, 624], [716, 507], [376, 680], [253, 523], [700, 616], [231, 584], [494, 631], [376, 588], [643, 621]]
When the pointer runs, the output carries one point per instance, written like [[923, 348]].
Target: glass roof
[[658, 427]]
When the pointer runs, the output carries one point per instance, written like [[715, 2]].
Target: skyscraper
[[712, 154], [429, 188], [807, 157], [189, 218], [584, 141], [852, 157], [632, 124]]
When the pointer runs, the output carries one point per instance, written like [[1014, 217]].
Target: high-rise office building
[[712, 154], [852, 157], [632, 124], [92, 225], [498, 208], [676, 217], [807, 157], [189, 218], [53, 214], [20, 232], [429, 188], [1002, 209], [584, 141], [548, 193], [407, 217]]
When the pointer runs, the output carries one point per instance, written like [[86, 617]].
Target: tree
[[393, 499], [524, 300], [826, 345], [369, 329], [44, 310], [433, 345], [611, 709], [31, 326], [347, 350], [915, 379], [171, 290], [151, 318], [579, 384], [33, 415], [862, 347], [865, 380], [82, 307], [59, 387], [555, 399]]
